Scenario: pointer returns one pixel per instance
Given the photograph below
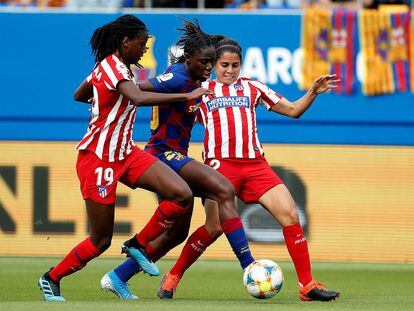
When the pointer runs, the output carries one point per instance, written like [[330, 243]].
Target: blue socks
[[127, 269], [233, 228]]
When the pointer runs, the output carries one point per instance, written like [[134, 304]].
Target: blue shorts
[[174, 159]]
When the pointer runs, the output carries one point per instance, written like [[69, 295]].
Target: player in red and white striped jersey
[[107, 153], [232, 147], [229, 118]]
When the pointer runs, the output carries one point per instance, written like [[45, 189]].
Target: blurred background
[[349, 161]]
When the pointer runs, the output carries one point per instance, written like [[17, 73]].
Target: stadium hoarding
[[357, 201]]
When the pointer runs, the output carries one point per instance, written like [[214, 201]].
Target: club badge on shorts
[[102, 191]]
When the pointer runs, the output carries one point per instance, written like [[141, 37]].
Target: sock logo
[[200, 243], [197, 249], [166, 223], [244, 249], [300, 240]]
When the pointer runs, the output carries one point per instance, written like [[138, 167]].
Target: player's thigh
[[205, 181], [160, 179], [279, 202]]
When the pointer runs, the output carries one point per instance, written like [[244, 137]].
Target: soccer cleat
[[139, 254], [168, 286], [111, 282], [50, 288], [314, 291]]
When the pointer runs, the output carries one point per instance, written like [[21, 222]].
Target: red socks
[[75, 260], [163, 219], [193, 249], [298, 249]]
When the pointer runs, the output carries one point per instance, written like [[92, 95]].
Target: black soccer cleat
[[314, 291], [50, 288]]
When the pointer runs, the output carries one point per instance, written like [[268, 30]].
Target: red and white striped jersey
[[109, 133], [229, 118]]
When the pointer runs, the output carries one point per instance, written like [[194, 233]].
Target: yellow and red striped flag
[[328, 46], [385, 50]]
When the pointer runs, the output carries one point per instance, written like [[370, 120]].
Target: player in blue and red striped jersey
[[107, 154], [170, 135]]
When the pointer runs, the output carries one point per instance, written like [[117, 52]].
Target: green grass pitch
[[208, 285]]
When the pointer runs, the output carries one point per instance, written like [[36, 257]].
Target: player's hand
[[198, 93], [324, 83]]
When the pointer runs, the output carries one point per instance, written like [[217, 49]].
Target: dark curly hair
[[107, 39], [192, 39]]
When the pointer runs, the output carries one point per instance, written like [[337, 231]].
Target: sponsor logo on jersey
[[165, 77], [228, 101]]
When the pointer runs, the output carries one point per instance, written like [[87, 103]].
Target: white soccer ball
[[263, 279]]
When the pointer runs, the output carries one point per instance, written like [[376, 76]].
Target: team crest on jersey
[[102, 191], [228, 101], [165, 77], [238, 87]]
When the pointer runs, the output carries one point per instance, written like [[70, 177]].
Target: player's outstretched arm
[[84, 92], [143, 98], [297, 108]]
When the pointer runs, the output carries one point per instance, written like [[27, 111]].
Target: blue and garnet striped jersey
[[171, 124]]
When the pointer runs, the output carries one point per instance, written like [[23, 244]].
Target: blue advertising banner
[[45, 56]]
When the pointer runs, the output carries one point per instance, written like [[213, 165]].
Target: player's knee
[[102, 243], [182, 195], [215, 232], [290, 217], [226, 192]]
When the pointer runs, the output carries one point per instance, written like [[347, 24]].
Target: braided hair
[[192, 39], [107, 39], [228, 45]]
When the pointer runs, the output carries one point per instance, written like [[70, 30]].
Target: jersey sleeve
[[169, 82], [115, 72], [89, 79], [268, 97]]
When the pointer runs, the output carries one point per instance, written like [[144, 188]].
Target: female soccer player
[[232, 147], [107, 153], [171, 130]]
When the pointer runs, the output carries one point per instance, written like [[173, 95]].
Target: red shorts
[[251, 178], [98, 179]]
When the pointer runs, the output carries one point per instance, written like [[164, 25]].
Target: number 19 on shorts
[[106, 173]]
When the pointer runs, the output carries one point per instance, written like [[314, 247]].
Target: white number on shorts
[[215, 164], [108, 175]]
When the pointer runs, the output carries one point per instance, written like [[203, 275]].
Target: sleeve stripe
[[108, 70], [123, 73], [270, 97]]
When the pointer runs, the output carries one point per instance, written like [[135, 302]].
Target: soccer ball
[[263, 279]]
